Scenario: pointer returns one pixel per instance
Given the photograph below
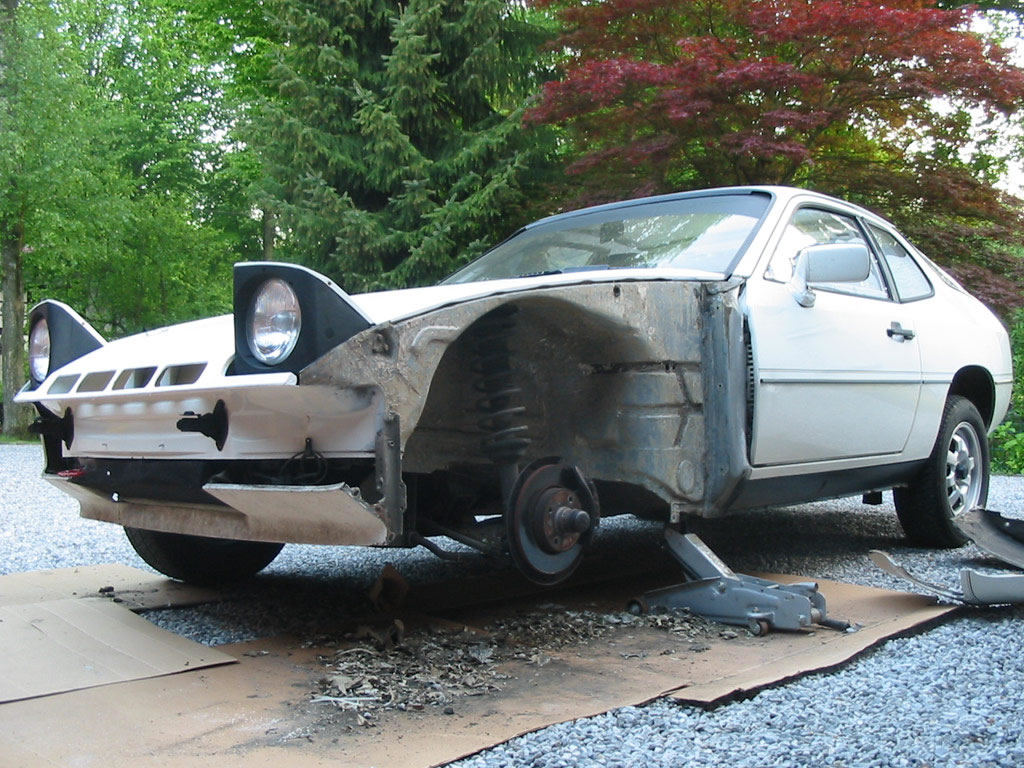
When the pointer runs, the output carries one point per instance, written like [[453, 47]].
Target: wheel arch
[[976, 384], [554, 345], [610, 378]]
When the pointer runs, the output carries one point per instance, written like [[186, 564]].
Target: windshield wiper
[[545, 273], [567, 270]]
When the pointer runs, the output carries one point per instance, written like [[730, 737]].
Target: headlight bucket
[[39, 350], [67, 336], [274, 322], [276, 332]]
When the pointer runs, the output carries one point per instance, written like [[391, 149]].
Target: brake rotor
[[551, 517]]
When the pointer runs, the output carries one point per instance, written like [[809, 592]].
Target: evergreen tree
[[393, 147]]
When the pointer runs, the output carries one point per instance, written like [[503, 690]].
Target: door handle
[[895, 329]]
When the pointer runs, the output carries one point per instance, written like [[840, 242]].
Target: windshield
[[704, 234]]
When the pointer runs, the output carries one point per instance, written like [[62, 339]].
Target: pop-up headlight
[[287, 316], [275, 322], [39, 350]]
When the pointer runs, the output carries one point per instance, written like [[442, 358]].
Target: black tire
[[201, 560], [954, 479]]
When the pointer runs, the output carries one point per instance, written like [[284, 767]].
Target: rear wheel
[[954, 480], [201, 560]]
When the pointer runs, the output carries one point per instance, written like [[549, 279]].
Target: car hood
[[384, 306], [210, 342]]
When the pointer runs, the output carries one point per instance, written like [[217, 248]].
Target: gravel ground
[[950, 696]]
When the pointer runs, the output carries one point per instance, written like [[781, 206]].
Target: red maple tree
[[895, 104]]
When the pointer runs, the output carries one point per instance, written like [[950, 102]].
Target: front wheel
[[201, 560], [954, 480]]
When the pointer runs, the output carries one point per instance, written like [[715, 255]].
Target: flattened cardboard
[[66, 645], [880, 614], [136, 589], [258, 712]]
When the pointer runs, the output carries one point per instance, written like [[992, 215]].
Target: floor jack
[[715, 592]]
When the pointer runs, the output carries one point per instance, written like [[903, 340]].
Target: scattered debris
[[390, 668], [993, 533], [389, 592], [978, 588], [996, 534]]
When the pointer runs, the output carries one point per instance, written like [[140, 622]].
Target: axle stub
[[551, 516]]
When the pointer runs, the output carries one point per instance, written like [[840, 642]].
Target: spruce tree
[[393, 146]]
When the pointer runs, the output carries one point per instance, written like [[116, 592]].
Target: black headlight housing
[[71, 337], [328, 315]]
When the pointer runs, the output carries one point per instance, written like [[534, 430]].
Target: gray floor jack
[[715, 592]]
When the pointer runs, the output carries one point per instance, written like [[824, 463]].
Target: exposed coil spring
[[506, 441]]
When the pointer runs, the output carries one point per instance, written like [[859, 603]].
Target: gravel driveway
[[951, 696]]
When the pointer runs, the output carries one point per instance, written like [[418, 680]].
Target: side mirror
[[828, 263]]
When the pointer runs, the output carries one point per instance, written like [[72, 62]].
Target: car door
[[837, 380]]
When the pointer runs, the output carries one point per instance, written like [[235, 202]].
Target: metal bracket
[[1002, 537], [389, 477], [716, 593], [997, 535]]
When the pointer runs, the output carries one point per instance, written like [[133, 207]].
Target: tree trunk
[[12, 239], [12, 343], [269, 234]]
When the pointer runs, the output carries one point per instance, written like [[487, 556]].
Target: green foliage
[[392, 146], [133, 207], [1008, 449], [1008, 439]]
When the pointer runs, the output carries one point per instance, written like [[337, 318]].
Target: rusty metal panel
[[613, 376]]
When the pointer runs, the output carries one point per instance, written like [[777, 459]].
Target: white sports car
[[684, 355]]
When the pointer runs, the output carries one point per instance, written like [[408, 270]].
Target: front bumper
[[126, 399], [267, 416], [332, 513]]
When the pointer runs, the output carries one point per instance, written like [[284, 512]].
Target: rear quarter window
[[911, 282]]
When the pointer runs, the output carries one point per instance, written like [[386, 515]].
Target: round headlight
[[275, 320], [39, 351]]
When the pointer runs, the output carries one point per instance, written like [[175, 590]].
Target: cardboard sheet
[[879, 612], [134, 588], [66, 645], [258, 712]]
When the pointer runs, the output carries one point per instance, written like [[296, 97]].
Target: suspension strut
[[505, 439]]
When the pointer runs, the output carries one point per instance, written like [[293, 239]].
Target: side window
[[812, 226], [909, 278]]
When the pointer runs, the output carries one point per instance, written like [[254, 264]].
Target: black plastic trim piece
[[328, 316], [54, 430], [71, 337], [213, 425], [799, 489]]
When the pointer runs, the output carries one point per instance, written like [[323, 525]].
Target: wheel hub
[[550, 518], [559, 520], [963, 481]]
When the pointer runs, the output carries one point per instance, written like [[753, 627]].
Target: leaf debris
[[395, 668]]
